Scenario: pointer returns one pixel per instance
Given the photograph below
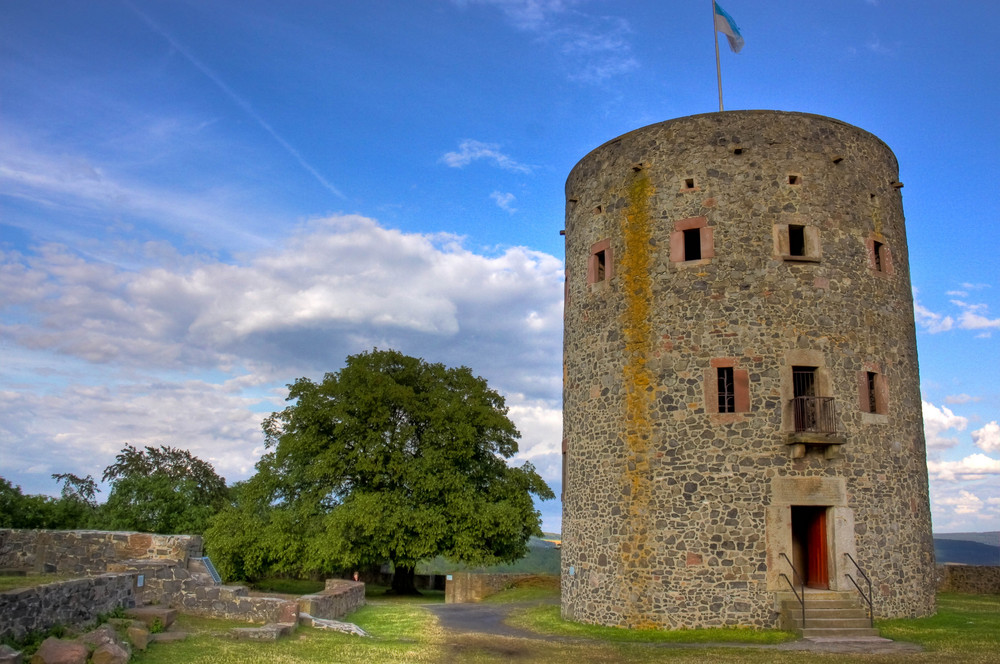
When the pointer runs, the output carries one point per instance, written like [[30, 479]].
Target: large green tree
[[161, 490], [389, 459]]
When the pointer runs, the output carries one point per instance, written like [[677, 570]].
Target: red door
[[810, 545], [817, 575]]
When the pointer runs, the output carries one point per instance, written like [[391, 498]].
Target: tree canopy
[[389, 459], [161, 490]]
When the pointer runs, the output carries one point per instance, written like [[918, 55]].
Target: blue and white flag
[[725, 24]]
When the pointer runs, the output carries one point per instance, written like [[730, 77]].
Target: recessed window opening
[[803, 381], [796, 240], [598, 210], [602, 265], [689, 183], [872, 401], [877, 255], [793, 179], [737, 150], [692, 244], [727, 390]]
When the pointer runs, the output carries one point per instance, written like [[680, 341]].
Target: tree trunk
[[402, 581]]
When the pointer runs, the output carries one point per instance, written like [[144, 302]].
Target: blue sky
[[202, 201]]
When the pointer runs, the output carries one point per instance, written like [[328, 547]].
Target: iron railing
[[815, 414], [802, 585], [867, 598]]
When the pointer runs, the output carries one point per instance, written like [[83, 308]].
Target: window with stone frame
[[873, 393], [879, 255], [691, 240], [600, 267], [797, 242], [727, 387]]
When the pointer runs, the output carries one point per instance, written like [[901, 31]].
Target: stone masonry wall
[[75, 602], [89, 551], [676, 514], [339, 598], [465, 587], [974, 579], [170, 585]]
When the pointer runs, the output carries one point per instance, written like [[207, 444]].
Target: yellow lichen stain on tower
[[638, 381]]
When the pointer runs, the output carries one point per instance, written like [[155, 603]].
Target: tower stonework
[[741, 392]]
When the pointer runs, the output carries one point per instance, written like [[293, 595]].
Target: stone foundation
[[465, 587]]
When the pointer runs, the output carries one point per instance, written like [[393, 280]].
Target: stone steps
[[829, 614]]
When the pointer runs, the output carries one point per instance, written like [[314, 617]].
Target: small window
[[796, 240], [793, 179], [688, 184], [727, 387], [691, 241], [600, 266], [727, 390], [873, 395], [692, 244], [877, 257]]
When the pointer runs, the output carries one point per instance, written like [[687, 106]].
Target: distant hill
[[949, 549], [992, 537], [543, 558]]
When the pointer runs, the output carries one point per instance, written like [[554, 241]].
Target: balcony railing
[[815, 414]]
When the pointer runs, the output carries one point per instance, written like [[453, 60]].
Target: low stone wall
[[76, 602], [165, 583], [974, 579], [464, 587], [89, 551], [339, 598]]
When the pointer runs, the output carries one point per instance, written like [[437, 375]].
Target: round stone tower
[[741, 394]]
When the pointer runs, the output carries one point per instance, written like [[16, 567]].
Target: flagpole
[[718, 65]]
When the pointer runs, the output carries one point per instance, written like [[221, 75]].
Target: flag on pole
[[725, 24]]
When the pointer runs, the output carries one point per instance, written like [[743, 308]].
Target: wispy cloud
[[595, 47], [470, 150], [971, 468], [505, 201], [242, 103], [954, 399]]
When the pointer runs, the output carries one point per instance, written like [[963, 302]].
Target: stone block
[[60, 651], [138, 637], [10, 656], [149, 614], [110, 653]]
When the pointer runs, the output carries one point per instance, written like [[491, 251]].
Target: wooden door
[[817, 572]]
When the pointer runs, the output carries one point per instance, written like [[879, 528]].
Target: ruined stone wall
[[675, 514], [75, 602], [89, 551], [463, 587], [338, 598], [973, 579]]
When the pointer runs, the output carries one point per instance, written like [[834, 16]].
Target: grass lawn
[[966, 630], [32, 580]]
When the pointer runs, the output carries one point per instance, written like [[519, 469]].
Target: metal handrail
[[868, 597], [802, 597]]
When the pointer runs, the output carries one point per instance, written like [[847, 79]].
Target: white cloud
[[965, 503], [939, 420], [974, 467], [961, 398], [505, 201], [193, 352], [470, 150], [988, 438], [931, 321]]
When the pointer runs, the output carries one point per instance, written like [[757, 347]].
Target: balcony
[[815, 423]]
